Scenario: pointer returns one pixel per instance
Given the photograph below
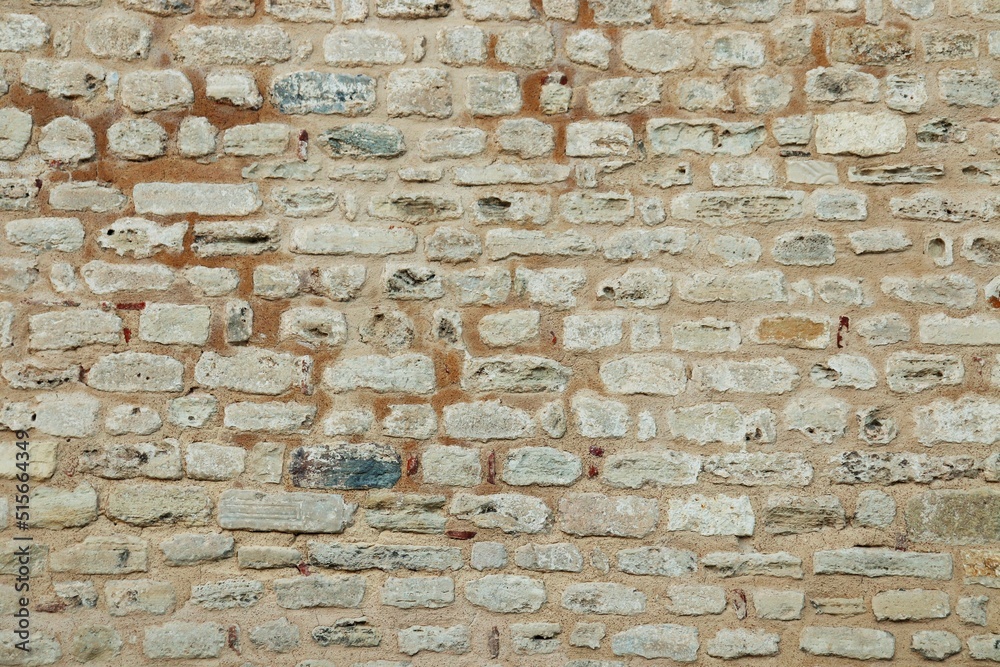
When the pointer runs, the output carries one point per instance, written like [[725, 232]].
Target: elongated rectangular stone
[[410, 592], [241, 509], [677, 642], [910, 605], [159, 504], [499, 174], [323, 93], [735, 564], [320, 590], [895, 468], [112, 554], [873, 562], [200, 198], [366, 465], [856, 643], [951, 516], [706, 136], [586, 514], [759, 469], [180, 640], [727, 209], [388, 557], [334, 239]]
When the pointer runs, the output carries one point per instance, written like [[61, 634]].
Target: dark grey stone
[[366, 465], [324, 92], [349, 632], [363, 140]]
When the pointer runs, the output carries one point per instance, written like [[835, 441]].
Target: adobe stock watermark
[[22, 540]]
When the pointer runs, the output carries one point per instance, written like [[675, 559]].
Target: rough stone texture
[[672, 326]]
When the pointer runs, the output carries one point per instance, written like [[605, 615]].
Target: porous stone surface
[[393, 333]]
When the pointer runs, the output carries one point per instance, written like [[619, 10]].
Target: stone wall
[[581, 333]]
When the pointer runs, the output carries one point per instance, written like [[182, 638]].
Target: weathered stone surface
[[604, 599], [594, 514], [200, 198], [677, 642], [310, 91], [671, 136], [952, 517], [787, 514], [872, 562], [887, 468], [353, 557], [936, 645], [320, 590], [251, 370], [732, 644], [856, 643], [651, 374], [506, 594], [229, 594], [560, 557], [56, 509], [121, 461], [284, 512], [727, 564], [510, 512], [721, 515], [659, 561], [517, 374], [66, 330], [907, 605], [410, 592], [348, 632], [410, 373], [778, 605], [114, 554], [182, 640], [487, 420], [544, 466], [345, 466], [149, 505], [759, 469], [689, 600], [418, 638], [195, 548], [635, 470], [853, 133]]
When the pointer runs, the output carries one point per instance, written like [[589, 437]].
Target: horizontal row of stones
[[636, 12], [136, 596], [320, 327], [191, 640], [102, 555], [256, 370], [381, 466], [558, 289], [141, 238], [637, 287], [937, 516], [817, 415], [427, 92], [128, 37], [70, 141], [645, 287], [579, 207]]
